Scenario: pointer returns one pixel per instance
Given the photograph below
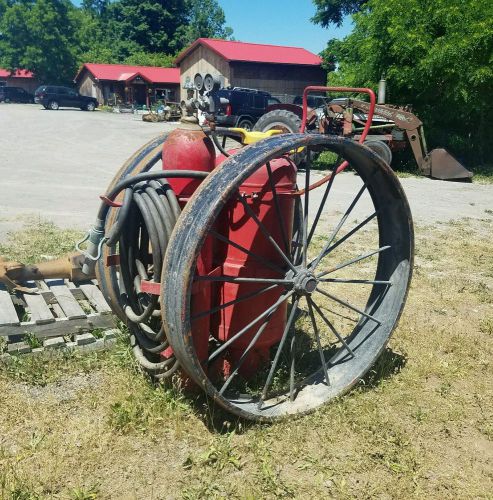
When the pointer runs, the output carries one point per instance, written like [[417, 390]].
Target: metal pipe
[[382, 90]]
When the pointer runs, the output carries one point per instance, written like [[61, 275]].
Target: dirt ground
[[55, 164]]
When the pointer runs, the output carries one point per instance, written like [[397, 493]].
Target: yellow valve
[[250, 137]]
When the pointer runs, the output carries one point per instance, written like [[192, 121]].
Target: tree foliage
[[206, 19], [436, 55], [53, 37], [39, 36], [334, 11]]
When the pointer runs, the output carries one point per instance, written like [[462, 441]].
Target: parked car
[[15, 94], [54, 97], [244, 108]]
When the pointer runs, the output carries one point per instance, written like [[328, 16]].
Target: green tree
[[333, 11], [150, 59], [39, 36], [148, 25], [437, 55], [205, 19]]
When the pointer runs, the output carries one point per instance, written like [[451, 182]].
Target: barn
[[282, 71], [124, 84], [20, 78]]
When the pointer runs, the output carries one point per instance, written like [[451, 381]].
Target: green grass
[[418, 426], [405, 167], [38, 241]]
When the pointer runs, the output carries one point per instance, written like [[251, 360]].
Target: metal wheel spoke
[[305, 209], [332, 328], [349, 306], [292, 315], [292, 367], [238, 279], [322, 205], [277, 207], [362, 282], [296, 244], [319, 344], [349, 234], [236, 336], [263, 326], [314, 263], [242, 298], [248, 252], [352, 261], [265, 232]]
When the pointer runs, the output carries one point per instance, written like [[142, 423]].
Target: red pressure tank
[[238, 226], [188, 148]]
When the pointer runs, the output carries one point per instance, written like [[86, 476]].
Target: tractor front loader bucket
[[440, 164]]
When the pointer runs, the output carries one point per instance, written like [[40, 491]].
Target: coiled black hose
[[142, 230]]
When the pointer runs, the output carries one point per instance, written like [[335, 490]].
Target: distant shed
[[20, 78], [112, 83], [276, 69]]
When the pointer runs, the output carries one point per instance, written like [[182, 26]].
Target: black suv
[[15, 94], [313, 101], [54, 97], [244, 108]]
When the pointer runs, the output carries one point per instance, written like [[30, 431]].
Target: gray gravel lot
[[54, 164]]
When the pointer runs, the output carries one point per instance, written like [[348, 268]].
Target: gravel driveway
[[54, 164]]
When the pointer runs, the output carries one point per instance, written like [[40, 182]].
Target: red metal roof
[[20, 73], [255, 52], [124, 72]]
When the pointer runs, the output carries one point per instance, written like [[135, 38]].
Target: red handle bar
[[362, 138]]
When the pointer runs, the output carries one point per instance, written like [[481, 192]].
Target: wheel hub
[[305, 283]]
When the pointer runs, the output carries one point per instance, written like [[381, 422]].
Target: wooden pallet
[[59, 308]]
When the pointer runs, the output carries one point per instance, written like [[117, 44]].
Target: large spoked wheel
[[336, 271]]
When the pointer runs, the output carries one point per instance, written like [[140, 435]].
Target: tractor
[[393, 128], [271, 288]]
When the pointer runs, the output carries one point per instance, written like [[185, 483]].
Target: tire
[[286, 121], [381, 149], [7, 100], [245, 123], [279, 119], [53, 105], [90, 106], [330, 317]]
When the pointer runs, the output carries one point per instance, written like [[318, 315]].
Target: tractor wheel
[[381, 149], [279, 119], [336, 284], [286, 121], [245, 123]]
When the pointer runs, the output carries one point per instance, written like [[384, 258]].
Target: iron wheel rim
[[366, 341]]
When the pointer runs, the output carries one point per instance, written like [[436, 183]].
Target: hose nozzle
[[95, 239]]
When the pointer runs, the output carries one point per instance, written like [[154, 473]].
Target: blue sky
[[279, 22]]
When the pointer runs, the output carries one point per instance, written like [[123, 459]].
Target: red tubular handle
[[362, 138]]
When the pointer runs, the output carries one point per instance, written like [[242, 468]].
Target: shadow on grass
[[219, 421], [388, 364]]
